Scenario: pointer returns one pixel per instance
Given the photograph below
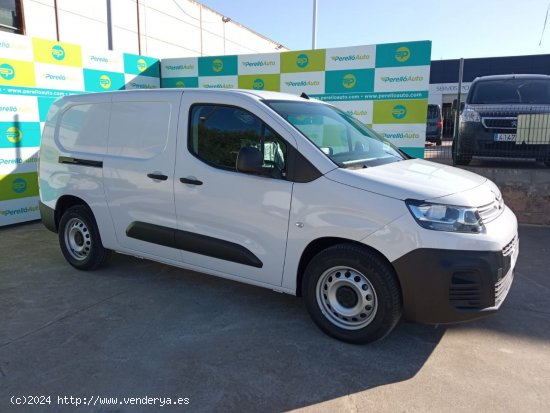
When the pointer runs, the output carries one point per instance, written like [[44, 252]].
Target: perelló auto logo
[[135, 85], [15, 45], [217, 65], [100, 59], [141, 65], [19, 185], [401, 135], [219, 85], [302, 83], [357, 112], [20, 109], [49, 76], [399, 79], [302, 60], [402, 54], [350, 58], [7, 71], [259, 63], [258, 84], [180, 83], [14, 134], [58, 53], [349, 81], [179, 67], [399, 111], [105, 81]]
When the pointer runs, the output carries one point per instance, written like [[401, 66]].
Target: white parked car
[[277, 191]]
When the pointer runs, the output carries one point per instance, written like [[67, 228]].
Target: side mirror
[[250, 160]]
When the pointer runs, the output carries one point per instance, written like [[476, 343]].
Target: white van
[[277, 191]]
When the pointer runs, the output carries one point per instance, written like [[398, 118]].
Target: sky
[[464, 28]]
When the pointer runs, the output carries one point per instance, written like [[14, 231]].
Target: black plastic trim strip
[[80, 161], [300, 169], [47, 215], [191, 242]]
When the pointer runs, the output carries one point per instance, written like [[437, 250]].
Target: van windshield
[[345, 140], [529, 91]]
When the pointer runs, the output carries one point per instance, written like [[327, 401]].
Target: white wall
[[169, 28]]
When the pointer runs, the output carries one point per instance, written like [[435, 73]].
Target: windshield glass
[[531, 91], [345, 140]]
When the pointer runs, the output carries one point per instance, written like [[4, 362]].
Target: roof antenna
[[304, 95], [544, 26]]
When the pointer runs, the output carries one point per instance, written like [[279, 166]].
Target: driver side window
[[217, 133]]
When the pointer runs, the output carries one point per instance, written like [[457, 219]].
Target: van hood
[[410, 179]]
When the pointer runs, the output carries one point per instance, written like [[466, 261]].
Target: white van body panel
[[411, 179], [59, 179], [324, 209], [241, 209], [139, 146]]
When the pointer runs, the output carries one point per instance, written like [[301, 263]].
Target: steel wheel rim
[[346, 297], [77, 239]]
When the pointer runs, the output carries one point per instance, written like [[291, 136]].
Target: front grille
[[502, 287], [510, 247], [491, 211], [508, 124]]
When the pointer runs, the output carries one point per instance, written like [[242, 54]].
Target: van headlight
[[469, 115], [440, 217]]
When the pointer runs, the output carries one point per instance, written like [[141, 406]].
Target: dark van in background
[[434, 124], [505, 116]]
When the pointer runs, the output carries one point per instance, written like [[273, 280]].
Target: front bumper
[[447, 286], [476, 140]]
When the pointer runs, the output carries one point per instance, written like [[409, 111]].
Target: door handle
[[190, 181], [158, 177]]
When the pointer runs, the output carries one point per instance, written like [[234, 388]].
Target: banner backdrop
[[384, 86], [33, 73]]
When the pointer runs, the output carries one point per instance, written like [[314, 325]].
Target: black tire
[[547, 163], [460, 158], [337, 284], [463, 160], [80, 240]]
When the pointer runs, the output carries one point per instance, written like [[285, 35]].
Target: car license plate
[[505, 137]]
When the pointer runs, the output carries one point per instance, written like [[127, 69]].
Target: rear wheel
[[352, 294], [79, 239]]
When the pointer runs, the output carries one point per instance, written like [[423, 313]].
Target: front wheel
[[79, 239], [352, 294]]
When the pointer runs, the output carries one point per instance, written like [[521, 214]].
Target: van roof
[[259, 94], [511, 76]]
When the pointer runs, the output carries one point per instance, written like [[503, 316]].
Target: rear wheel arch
[[79, 238], [64, 203]]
